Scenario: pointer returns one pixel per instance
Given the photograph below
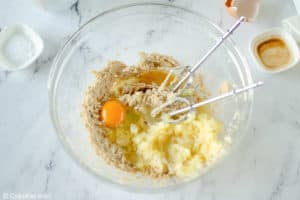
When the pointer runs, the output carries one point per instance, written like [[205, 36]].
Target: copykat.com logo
[[13, 196]]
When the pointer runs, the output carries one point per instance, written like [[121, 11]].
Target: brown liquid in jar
[[274, 53]]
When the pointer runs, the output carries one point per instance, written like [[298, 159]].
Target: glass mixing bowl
[[120, 34]]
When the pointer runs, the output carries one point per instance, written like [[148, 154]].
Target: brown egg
[[230, 9], [246, 8]]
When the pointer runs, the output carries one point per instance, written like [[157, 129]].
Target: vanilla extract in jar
[[274, 53], [276, 50]]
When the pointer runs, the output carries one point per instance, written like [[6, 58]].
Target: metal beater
[[187, 79]]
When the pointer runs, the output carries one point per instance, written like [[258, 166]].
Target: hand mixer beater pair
[[187, 79]]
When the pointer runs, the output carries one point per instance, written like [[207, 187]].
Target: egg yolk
[[112, 113]]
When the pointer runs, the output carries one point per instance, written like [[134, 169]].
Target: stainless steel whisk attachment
[[191, 107], [210, 52], [186, 82], [232, 93]]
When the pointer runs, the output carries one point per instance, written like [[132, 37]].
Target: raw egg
[[112, 113]]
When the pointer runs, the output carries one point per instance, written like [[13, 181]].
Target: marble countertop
[[34, 162]]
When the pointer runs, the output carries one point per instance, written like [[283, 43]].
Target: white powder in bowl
[[18, 49]]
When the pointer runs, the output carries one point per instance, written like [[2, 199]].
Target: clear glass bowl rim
[[53, 75]]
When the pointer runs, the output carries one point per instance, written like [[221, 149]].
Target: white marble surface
[[34, 162]]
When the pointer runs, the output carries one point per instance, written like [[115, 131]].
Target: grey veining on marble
[[33, 160]]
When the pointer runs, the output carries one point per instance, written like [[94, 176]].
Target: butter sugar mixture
[[116, 112]]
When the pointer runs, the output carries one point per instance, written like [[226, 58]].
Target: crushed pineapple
[[176, 149], [180, 149]]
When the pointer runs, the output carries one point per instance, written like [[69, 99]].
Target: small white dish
[[289, 34], [292, 25], [20, 46]]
